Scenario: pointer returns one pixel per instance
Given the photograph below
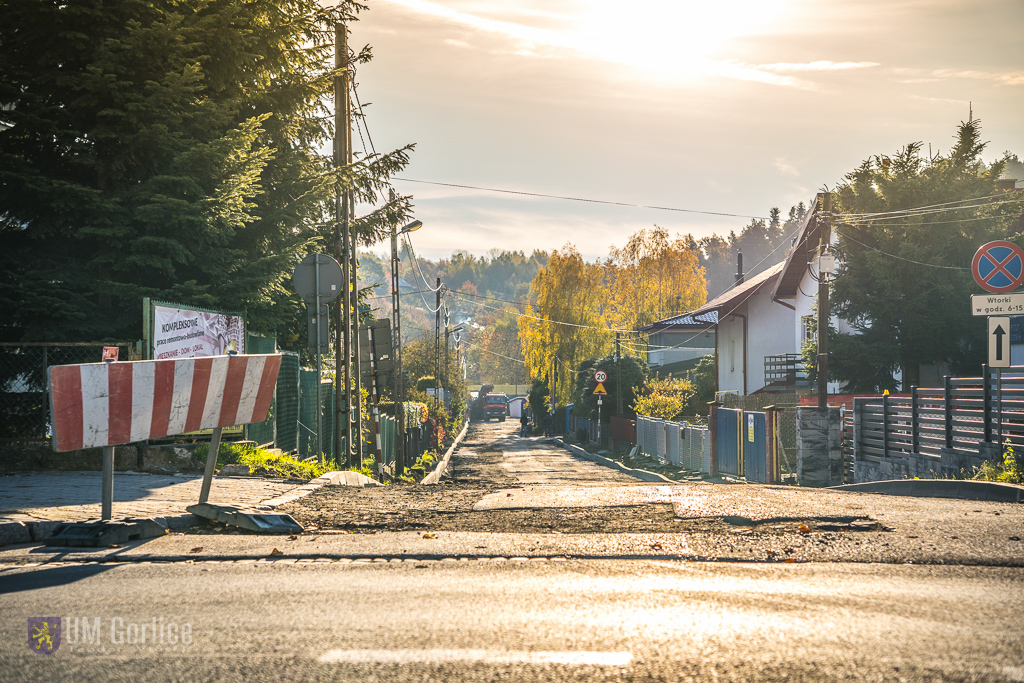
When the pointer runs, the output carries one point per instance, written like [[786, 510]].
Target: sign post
[[317, 280]]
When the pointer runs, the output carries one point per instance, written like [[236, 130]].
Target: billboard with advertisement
[[174, 331]]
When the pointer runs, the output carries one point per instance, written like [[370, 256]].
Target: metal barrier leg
[[107, 498], [211, 465]]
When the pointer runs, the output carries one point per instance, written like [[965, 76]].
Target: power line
[[917, 208], [583, 199], [493, 353], [885, 253]]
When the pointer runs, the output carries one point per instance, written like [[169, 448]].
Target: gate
[[728, 442], [741, 444]]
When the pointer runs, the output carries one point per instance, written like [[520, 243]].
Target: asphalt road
[[522, 621]]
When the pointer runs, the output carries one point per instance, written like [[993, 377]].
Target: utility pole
[[342, 157], [396, 311], [618, 375], [823, 219]]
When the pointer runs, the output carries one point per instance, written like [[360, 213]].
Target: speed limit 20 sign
[[600, 376]]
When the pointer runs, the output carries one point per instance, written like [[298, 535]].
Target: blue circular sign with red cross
[[999, 266]]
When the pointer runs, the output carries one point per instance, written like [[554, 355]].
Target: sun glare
[[673, 36]]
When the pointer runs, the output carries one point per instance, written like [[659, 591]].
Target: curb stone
[[435, 476], [642, 475], [941, 488]]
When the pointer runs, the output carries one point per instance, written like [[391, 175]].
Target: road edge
[[642, 475]]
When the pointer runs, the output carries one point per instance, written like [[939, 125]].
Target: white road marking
[[575, 658]]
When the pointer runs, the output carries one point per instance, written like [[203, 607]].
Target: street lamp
[[396, 325]]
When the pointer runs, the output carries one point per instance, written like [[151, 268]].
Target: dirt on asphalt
[[493, 459]]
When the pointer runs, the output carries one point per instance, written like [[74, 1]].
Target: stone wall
[[819, 452], [951, 462]]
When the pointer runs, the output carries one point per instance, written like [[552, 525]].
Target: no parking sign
[[999, 266]]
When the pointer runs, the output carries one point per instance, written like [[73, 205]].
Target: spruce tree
[[171, 149]]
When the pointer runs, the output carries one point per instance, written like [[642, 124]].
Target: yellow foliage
[[652, 278], [566, 322]]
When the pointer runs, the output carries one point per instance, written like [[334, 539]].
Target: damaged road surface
[[498, 482]]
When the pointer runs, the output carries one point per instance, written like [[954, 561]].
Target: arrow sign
[[999, 342], [601, 391]]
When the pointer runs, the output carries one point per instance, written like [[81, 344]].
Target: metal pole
[[107, 499], [319, 390], [618, 375], [357, 363], [437, 341], [397, 341], [211, 464]]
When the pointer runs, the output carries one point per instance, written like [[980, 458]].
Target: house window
[[810, 328]]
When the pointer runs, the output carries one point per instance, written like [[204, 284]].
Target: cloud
[[821, 65], [532, 42], [785, 167], [1001, 77], [456, 43]]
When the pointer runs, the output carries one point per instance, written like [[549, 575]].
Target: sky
[[731, 106]]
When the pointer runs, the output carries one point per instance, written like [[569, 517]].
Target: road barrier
[[107, 404]]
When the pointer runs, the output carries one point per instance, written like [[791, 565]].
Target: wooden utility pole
[[823, 218]]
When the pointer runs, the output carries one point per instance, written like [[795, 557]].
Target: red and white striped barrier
[[106, 404]]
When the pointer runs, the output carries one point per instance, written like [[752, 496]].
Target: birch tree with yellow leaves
[[653, 277], [567, 321]]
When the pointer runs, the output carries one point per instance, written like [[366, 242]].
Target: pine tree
[[170, 149], [905, 281]]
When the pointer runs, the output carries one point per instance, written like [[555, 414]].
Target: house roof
[[709, 313], [807, 240], [685, 321], [732, 298]]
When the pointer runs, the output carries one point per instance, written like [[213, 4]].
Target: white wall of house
[[690, 345], [769, 332]]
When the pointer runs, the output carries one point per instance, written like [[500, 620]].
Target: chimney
[[739, 267]]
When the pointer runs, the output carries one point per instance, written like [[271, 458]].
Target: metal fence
[[679, 444], [785, 420], [24, 404]]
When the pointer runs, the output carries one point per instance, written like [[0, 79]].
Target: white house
[[742, 327]]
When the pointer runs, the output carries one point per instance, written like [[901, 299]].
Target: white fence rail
[[675, 443]]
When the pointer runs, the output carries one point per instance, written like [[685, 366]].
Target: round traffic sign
[[999, 266], [600, 376], [304, 278]]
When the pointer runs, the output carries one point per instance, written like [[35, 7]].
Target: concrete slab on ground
[[75, 496]]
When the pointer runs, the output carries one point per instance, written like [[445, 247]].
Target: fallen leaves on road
[[789, 560], [292, 538], [115, 545], [275, 551], [196, 550], [804, 529], [656, 546], [429, 535]]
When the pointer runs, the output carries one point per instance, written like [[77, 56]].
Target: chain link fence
[[24, 404]]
